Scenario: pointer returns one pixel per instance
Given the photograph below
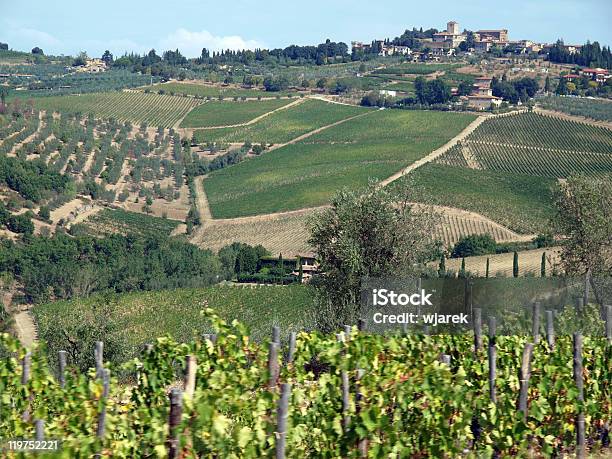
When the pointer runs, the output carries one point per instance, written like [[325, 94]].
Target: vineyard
[[522, 203], [309, 172], [215, 92], [113, 221], [229, 113], [351, 395], [136, 107], [600, 110], [291, 232], [284, 125]]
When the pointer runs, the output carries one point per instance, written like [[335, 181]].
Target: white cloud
[[191, 43], [37, 37]]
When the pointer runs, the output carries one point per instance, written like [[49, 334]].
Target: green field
[[415, 69], [401, 86], [141, 316], [218, 113], [309, 172], [201, 90], [111, 221], [137, 107], [597, 109], [285, 125], [522, 203]]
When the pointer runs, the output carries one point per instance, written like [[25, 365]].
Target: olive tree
[[375, 232]]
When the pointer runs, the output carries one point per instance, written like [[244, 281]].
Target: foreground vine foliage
[[409, 404]]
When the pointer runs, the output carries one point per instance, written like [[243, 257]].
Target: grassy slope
[[228, 113], [285, 125], [109, 221], [142, 316], [521, 202], [308, 173]]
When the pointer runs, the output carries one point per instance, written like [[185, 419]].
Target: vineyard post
[[190, 375], [347, 331], [524, 378], [39, 428], [62, 368], [345, 401], [102, 415], [579, 305], [587, 280], [99, 357], [477, 329], [550, 329], [536, 323], [276, 334], [492, 354], [273, 367], [609, 323], [25, 377], [292, 345], [445, 359], [580, 446], [363, 443], [282, 415], [361, 325], [174, 419]]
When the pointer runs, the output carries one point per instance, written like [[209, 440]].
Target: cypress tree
[[487, 268], [442, 266], [543, 265], [515, 266], [462, 271]]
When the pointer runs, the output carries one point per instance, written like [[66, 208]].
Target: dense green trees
[[431, 92], [475, 244], [66, 267], [589, 55], [514, 91], [33, 180]]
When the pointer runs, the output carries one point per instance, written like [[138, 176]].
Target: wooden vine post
[[477, 329], [174, 420], [492, 357], [62, 368], [39, 429], [550, 329], [608, 324], [362, 445], [535, 330], [282, 415], [191, 367], [273, 366], [292, 346], [578, 379], [26, 365], [524, 375], [102, 415]]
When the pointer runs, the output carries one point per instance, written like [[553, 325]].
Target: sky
[[70, 26]]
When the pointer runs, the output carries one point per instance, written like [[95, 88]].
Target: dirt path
[[25, 328], [202, 202], [256, 119], [330, 100], [436, 153]]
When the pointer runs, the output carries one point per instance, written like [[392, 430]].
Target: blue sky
[[69, 26]]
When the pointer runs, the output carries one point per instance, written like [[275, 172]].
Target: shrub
[[475, 244]]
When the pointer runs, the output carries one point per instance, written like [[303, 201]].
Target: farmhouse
[[93, 66], [495, 36], [484, 101], [598, 74], [392, 50]]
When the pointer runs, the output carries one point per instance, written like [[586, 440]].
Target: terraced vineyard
[[112, 221], [230, 113], [309, 172], [136, 107], [285, 125]]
